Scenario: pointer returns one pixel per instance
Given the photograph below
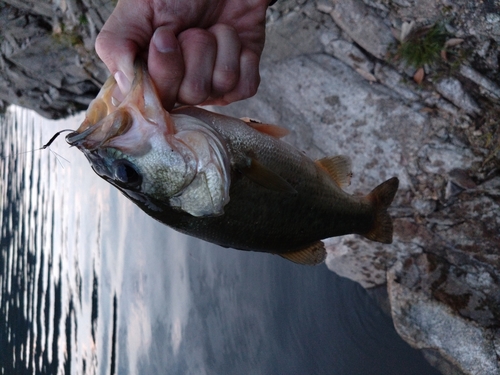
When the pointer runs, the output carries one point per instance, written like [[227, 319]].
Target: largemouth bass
[[225, 180]]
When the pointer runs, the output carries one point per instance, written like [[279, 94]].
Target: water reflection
[[90, 285]]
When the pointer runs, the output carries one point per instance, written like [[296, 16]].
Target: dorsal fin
[[250, 120], [272, 130], [339, 169], [265, 177], [312, 255]]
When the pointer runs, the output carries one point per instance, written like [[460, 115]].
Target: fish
[[233, 182]]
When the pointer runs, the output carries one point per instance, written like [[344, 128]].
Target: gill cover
[[136, 145]]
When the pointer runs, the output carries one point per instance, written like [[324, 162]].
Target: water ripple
[[90, 285]]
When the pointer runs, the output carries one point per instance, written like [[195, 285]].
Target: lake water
[[91, 285]]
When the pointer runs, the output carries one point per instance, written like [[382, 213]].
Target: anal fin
[[338, 168], [312, 255]]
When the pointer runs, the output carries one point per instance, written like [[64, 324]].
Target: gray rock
[[294, 35], [471, 17], [437, 158], [363, 26], [352, 56], [44, 67], [363, 261], [439, 362], [492, 187], [33, 7], [391, 78], [416, 294], [488, 87], [424, 207], [461, 178], [452, 89]]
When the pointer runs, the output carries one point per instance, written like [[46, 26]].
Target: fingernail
[[124, 84], [164, 40]]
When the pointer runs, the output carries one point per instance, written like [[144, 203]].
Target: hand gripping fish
[[225, 180]]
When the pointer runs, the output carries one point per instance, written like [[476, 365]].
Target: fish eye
[[125, 173]]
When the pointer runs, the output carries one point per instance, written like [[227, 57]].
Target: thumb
[[118, 54], [123, 36], [166, 65]]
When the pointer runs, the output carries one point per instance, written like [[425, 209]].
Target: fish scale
[[242, 187]]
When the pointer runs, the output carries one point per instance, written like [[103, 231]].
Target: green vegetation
[[83, 20], [487, 137], [423, 46], [71, 39], [67, 36]]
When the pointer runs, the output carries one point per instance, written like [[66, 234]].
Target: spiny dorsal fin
[[339, 169], [381, 197], [265, 177], [250, 120], [312, 255], [272, 130]]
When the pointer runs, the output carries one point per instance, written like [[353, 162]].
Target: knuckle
[[197, 36], [224, 81], [193, 92], [101, 44], [250, 89], [220, 29]]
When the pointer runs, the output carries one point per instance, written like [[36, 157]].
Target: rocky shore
[[47, 60], [342, 76]]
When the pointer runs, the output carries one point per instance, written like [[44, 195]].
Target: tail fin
[[381, 197]]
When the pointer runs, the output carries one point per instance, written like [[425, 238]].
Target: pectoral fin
[[338, 168], [311, 255], [265, 177]]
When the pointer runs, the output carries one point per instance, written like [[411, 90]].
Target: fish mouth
[[108, 118], [94, 136]]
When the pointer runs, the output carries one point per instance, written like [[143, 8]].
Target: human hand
[[198, 51]]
